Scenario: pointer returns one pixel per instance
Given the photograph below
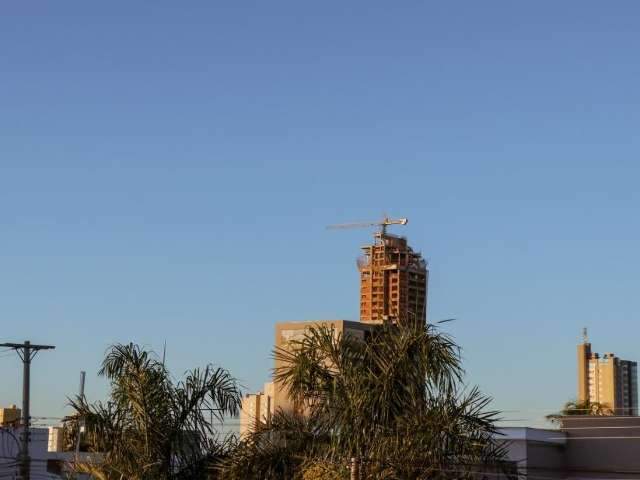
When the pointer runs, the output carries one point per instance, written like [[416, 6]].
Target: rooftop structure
[[535, 452], [585, 447]]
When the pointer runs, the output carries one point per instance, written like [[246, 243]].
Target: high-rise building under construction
[[393, 288], [393, 281]]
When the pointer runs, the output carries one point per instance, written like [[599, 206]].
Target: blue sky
[[167, 172]]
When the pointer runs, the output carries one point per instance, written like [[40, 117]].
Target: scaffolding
[[393, 282]]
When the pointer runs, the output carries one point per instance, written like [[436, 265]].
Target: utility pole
[[26, 351], [80, 421]]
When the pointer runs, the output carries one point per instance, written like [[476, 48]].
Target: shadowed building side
[[584, 354]]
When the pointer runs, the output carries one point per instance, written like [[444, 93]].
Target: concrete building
[[535, 452], [607, 380], [10, 417], [45, 463], [256, 409], [393, 281], [585, 447], [56, 439], [602, 446], [286, 332]]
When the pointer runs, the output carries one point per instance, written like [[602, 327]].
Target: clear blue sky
[[167, 171]]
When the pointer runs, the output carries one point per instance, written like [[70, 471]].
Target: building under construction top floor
[[393, 282]]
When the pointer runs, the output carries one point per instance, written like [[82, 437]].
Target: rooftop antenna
[[80, 425], [383, 224], [585, 337], [164, 352]]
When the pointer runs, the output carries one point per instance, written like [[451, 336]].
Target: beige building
[[56, 439], [286, 332], [393, 281], [607, 380], [10, 417], [256, 409]]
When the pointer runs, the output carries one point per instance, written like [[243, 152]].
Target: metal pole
[[26, 351], [80, 423], [26, 416], [355, 469]]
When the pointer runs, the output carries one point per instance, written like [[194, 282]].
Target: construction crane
[[383, 224]]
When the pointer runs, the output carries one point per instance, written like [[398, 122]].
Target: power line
[[26, 351]]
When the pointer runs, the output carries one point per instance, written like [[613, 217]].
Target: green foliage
[[396, 402], [152, 428], [585, 407]]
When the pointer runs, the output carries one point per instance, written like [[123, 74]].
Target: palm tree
[[152, 428], [394, 402], [583, 407]]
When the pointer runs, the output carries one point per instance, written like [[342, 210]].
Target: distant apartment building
[[256, 409], [56, 439], [393, 282], [607, 380], [10, 417]]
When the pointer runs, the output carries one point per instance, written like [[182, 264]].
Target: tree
[[584, 407], [152, 428], [394, 402]]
